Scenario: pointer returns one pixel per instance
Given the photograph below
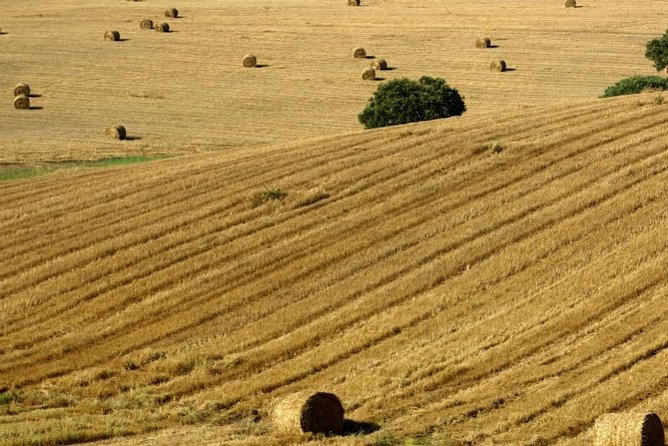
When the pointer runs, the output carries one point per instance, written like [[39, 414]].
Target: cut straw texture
[[308, 411], [629, 429]]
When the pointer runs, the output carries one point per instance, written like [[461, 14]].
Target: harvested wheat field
[[187, 91], [479, 280]]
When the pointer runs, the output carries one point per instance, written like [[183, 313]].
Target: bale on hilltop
[[172, 13], [571, 4], [353, 2], [379, 64], [359, 53], [633, 429], [146, 24], [162, 28], [116, 132], [250, 61], [485, 42], [22, 89], [22, 102], [112, 36], [498, 65], [369, 74], [308, 411]]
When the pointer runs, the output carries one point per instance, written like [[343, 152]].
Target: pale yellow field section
[[187, 91], [490, 279]]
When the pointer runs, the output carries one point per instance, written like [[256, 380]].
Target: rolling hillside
[[186, 91], [437, 285]]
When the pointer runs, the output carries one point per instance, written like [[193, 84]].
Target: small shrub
[[659, 99], [635, 85], [268, 195], [656, 50], [401, 101], [6, 398]]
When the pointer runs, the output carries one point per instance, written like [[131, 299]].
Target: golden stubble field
[[437, 286], [186, 91]]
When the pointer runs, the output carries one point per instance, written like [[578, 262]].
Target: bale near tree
[[657, 51], [146, 24], [359, 53], [162, 28], [369, 74], [116, 132], [571, 4], [379, 64], [498, 65], [172, 13], [112, 36], [307, 411], [22, 89], [401, 101], [632, 429], [250, 61], [22, 102], [485, 42]]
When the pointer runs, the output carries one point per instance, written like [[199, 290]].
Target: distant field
[[437, 286], [186, 91]]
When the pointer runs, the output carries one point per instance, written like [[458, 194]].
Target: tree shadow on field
[[352, 427]]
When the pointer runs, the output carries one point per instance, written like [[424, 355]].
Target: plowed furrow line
[[392, 303]]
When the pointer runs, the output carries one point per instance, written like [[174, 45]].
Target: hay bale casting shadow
[[308, 411], [22, 89], [116, 132], [353, 2], [573, 4], [172, 13], [22, 102], [633, 429], [250, 61], [359, 53], [112, 36], [485, 42], [162, 28], [498, 65], [379, 64], [146, 24]]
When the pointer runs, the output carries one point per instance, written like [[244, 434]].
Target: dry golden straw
[[146, 24], [485, 42], [498, 65], [572, 4], [112, 36], [353, 2], [359, 53], [369, 74], [629, 429], [308, 411], [116, 132], [379, 64], [22, 102], [22, 89], [172, 13], [162, 28], [250, 61]]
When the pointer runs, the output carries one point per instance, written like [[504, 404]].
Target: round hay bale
[[250, 61], [116, 132], [22, 89], [498, 65], [22, 102], [353, 2], [162, 28], [307, 411], [379, 64], [359, 53], [633, 429], [571, 4], [172, 13], [485, 42], [112, 36], [369, 74], [146, 24]]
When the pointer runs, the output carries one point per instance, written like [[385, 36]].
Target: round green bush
[[657, 51], [401, 101], [636, 84]]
